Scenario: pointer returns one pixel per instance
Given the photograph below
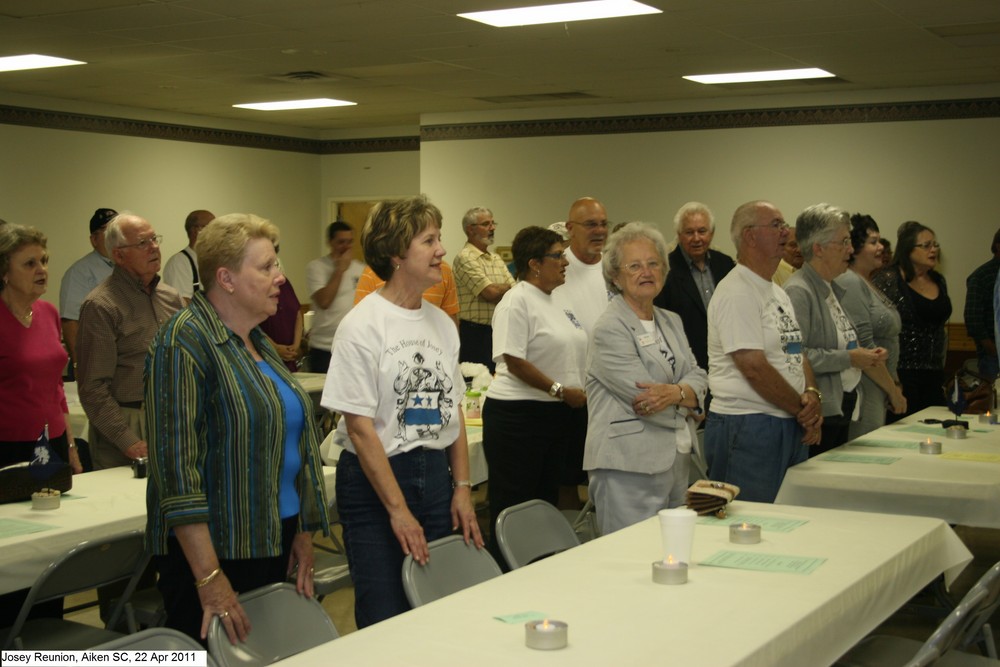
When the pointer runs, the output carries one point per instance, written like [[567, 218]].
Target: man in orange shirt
[[444, 295]]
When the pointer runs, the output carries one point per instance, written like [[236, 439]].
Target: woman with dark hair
[[536, 404], [920, 294], [877, 324], [403, 479]]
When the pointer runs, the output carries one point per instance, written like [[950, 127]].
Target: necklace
[[24, 317]]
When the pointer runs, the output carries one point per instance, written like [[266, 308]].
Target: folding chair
[[84, 567], [453, 565], [531, 531], [283, 623]]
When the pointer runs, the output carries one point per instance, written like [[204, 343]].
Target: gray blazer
[[617, 438], [807, 291]]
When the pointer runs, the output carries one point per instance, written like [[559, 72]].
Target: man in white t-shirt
[[584, 288], [766, 407], [181, 271], [332, 280]]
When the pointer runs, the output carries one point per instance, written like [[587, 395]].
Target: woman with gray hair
[[829, 338], [643, 386]]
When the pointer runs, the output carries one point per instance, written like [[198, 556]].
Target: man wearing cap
[[84, 275], [482, 279], [118, 320], [181, 271]]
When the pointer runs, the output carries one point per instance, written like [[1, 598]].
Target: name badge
[[646, 339]]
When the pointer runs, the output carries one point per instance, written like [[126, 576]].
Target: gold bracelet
[[816, 391], [201, 583], [459, 483]]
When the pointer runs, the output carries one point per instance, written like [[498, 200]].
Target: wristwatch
[[816, 391], [556, 390]]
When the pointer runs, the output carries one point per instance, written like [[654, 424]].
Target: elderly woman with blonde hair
[[643, 387], [236, 486]]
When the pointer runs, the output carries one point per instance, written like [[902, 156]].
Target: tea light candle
[[930, 447], [744, 533], [670, 572], [46, 499], [546, 635], [988, 418], [955, 432]]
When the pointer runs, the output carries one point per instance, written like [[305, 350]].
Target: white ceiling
[[400, 58]]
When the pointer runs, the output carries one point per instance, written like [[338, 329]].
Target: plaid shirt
[[476, 270], [979, 300]]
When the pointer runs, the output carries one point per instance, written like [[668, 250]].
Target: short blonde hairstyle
[[391, 227], [223, 243]]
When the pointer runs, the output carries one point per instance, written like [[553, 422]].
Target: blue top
[[288, 497]]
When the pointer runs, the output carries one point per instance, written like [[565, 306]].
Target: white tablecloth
[[617, 616], [960, 492], [101, 504]]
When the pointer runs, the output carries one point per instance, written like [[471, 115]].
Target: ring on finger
[[224, 614]]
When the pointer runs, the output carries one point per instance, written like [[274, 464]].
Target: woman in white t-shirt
[[536, 406], [403, 479]]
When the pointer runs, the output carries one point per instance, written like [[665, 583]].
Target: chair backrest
[[453, 565], [282, 622], [155, 639], [533, 530], [86, 566], [990, 582], [951, 631]]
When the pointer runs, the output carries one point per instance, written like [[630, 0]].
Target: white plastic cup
[[677, 529]]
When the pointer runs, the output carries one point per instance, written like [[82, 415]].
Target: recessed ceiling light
[[34, 61], [561, 13], [750, 77], [296, 104]]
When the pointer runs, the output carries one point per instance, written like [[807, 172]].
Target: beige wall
[[941, 173], [54, 179]]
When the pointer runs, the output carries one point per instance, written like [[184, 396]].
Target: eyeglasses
[[485, 224], [635, 267], [591, 225], [554, 255], [843, 242], [144, 244], [927, 245], [779, 225]]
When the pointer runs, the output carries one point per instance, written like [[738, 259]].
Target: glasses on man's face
[[845, 242], [554, 255], [486, 224], [927, 245], [632, 268], [146, 243], [591, 225]]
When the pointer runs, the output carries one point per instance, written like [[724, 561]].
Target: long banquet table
[[884, 471], [100, 504], [617, 616]]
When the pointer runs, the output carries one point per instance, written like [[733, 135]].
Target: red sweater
[[31, 365]]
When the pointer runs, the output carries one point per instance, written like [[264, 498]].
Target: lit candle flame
[[670, 560], [744, 525], [928, 440]]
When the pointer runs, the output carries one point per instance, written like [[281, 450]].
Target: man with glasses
[[695, 270], [584, 289], [766, 407], [482, 279], [118, 320], [84, 275], [181, 271]]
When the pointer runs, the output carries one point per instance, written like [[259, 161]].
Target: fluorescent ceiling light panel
[[751, 77], [34, 61], [561, 13], [318, 103]]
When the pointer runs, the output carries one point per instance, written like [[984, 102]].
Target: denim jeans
[[753, 452], [373, 552]]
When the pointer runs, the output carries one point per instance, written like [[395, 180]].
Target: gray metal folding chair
[[533, 530], [155, 639], [453, 565], [891, 651], [980, 633], [330, 567], [84, 567], [283, 623]]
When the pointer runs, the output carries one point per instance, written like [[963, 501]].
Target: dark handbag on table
[[45, 471], [968, 392]]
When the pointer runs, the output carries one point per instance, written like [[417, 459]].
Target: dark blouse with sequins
[[923, 339]]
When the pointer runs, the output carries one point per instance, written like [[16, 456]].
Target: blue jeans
[[753, 452], [373, 552]]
